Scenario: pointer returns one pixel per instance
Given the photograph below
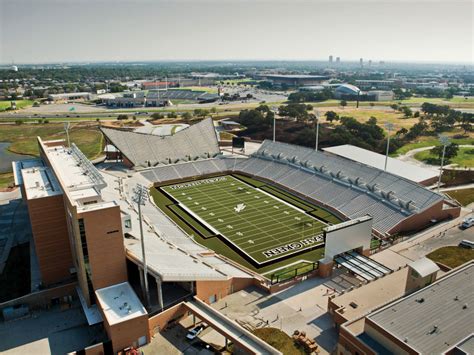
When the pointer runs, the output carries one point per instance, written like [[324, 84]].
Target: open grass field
[[19, 104], [452, 256], [258, 224], [463, 196], [6, 179], [364, 113], [464, 158], [23, 137]]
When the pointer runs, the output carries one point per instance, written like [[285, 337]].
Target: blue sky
[[39, 31]]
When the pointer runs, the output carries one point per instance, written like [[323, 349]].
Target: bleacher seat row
[[198, 141], [344, 193]]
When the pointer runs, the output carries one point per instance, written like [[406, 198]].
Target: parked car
[[192, 334], [467, 223], [467, 244]]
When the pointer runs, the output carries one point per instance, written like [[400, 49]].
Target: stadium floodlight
[[317, 130], [274, 110], [389, 127], [140, 196], [444, 140]]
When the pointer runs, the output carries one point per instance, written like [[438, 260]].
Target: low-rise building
[[436, 319]]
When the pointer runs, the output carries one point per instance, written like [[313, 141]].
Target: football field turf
[[260, 225]]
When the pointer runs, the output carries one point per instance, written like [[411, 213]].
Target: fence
[[289, 274]]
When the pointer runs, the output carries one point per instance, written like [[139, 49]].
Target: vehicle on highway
[[467, 223], [192, 334]]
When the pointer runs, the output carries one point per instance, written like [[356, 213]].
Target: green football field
[[260, 225]]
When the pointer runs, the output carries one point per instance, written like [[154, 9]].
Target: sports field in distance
[[260, 225]]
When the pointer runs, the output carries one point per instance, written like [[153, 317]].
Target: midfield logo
[[240, 207]]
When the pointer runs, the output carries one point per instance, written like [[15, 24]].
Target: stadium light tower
[[140, 196], [317, 131], [389, 127], [274, 110], [445, 142]]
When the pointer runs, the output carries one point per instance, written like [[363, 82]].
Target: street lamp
[[389, 127], [140, 196], [274, 110], [67, 125], [317, 130], [444, 142]]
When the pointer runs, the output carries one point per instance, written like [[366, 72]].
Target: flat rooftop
[[394, 166], [435, 318], [72, 173], [359, 301], [40, 182], [119, 303], [76, 174], [19, 165]]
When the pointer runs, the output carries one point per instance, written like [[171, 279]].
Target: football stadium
[[267, 211], [167, 225]]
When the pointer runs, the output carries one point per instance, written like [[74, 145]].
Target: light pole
[[67, 125], [445, 142], [140, 197], [317, 131], [274, 110], [389, 127]]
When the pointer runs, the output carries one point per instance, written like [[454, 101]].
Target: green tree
[[407, 112], [331, 116], [186, 116], [343, 103], [451, 151], [157, 116]]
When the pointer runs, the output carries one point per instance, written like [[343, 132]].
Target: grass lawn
[[23, 137], [382, 116], [279, 340], [452, 256], [465, 158], [15, 279], [6, 179], [458, 102], [19, 104], [262, 224], [464, 196], [433, 141]]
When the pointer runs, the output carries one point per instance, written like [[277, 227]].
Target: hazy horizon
[[83, 31]]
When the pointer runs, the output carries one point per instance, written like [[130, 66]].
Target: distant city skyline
[[55, 31]]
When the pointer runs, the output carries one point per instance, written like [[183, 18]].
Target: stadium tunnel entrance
[[162, 295]]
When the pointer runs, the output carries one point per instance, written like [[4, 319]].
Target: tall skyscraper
[[361, 62], [330, 59], [338, 60]]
